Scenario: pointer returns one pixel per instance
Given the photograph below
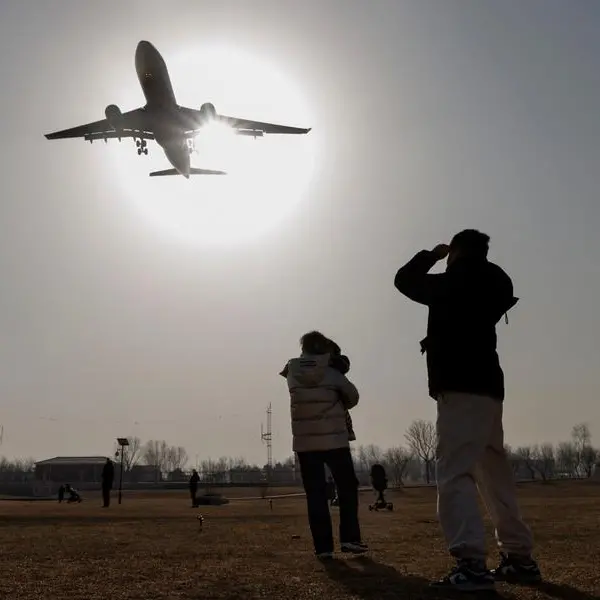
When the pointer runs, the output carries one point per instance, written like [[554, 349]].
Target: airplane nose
[[142, 53], [143, 50]]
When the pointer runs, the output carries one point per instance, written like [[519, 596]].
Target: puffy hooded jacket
[[319, 396]]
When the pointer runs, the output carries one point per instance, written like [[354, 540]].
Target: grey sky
[[434, 115]]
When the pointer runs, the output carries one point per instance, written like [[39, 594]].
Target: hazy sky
[[430, 116]]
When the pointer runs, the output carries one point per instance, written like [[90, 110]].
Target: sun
[[266, 178]]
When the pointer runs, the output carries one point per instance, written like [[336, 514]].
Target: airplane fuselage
[[161, 107]]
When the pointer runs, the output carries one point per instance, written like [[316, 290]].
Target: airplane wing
[[133, 125], [248, 125], [196, 119]]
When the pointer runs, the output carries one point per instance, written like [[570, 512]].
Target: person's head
[[334, 348], [469, 243], [314, 342]]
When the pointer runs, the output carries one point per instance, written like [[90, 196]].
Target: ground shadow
[[369, 580], [563, 591]]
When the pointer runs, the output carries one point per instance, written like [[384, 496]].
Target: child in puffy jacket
[[341, 363], [320, 396]]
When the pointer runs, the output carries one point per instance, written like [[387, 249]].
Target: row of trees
[[576, 458], [157, 454]]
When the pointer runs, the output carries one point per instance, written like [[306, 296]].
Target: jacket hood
[[308, 369]]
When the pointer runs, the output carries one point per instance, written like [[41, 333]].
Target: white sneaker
[[355, 547]]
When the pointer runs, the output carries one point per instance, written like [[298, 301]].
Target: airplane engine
[[113, 116], [208, 110]]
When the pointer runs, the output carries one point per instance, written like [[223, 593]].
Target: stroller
[[74, 495], [379, 482]]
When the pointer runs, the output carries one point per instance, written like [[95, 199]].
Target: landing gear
[[141, 147]]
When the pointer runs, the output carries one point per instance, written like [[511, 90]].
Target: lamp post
[[122, 443]]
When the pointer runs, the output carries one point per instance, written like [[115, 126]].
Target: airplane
[[172, 126]]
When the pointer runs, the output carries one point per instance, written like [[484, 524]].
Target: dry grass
[[151, 547]]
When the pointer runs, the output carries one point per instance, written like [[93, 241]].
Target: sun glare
[[266, 177]]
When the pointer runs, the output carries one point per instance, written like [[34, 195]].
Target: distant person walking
[[465, 378], [194, 480], [320, 396], [108, 477]]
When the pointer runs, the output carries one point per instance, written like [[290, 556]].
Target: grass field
[[151, 547]]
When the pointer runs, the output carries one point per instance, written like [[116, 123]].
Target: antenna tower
[[267, 436]]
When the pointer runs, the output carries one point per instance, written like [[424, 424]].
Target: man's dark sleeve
[[413, 279]]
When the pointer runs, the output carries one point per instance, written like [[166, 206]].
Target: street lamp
[[122, 443]]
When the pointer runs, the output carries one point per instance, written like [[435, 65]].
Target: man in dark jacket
[[108, 476], [465, 378], [193, 484]]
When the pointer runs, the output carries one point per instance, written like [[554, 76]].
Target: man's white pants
[[471, 455]]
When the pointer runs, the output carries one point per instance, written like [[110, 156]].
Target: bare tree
[[133, 453], [581, 436], [567, 461], [396, 459], [362, 459], [582, 440], [544, 461], [525, 455], [589, 458], [421, 438], [373, 454], [156, 454], [238, 463], [178, 458], [18, 470], [513, 459]]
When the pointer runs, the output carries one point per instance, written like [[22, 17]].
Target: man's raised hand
[[441, 251]]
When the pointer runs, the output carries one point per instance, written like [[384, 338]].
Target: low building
[[72, 469]]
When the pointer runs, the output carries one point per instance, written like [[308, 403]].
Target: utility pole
[[267, 436], [123, 442]]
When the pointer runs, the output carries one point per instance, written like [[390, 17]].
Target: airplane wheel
[[146, 151], [144, 143], [138, 143], [139, 151]]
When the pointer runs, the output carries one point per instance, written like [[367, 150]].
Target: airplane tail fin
[[193, 171]]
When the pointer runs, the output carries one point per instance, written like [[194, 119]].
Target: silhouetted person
[[108, 477], [465, 378], [194, 480], [320, 396], [61, 494], [379, 483]]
